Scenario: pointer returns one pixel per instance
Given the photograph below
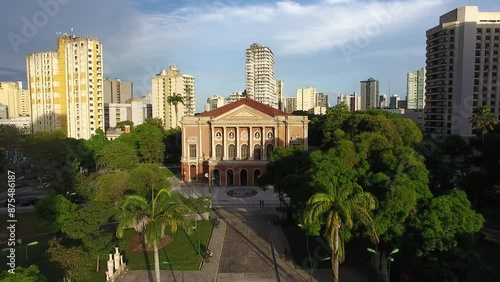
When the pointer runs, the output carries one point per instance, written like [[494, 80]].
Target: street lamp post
[[389, 260], [30, 244], [172, 263], [308, 251]]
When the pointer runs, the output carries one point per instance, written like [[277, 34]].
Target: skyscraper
[[394, 102], [415, 89], [462, 69], [280, 93], [117, 91], [260, 80], [322, 100], [167, 83], [369, 94], [306, 98], [66, 87]]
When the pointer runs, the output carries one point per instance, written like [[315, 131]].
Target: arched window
[[244, 151], [218, 151], [231, 152], [256, 152], [269, 149]]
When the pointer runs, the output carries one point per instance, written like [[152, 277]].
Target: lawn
[[182, 252]]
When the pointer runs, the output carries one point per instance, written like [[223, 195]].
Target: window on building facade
[[256, 152], [269, 150], [231, 151], [192, 150], [244, 151], [218, 151]]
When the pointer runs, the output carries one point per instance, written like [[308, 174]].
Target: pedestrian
[[260, 203]]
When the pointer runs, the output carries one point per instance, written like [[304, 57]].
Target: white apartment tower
[[415, 89], [306, 98], [369, 94], [352, 101], [214, 102], [169, 83], [260, 80], [66, 87], [462, 69]]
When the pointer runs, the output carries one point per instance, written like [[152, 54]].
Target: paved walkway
[[242, 243]]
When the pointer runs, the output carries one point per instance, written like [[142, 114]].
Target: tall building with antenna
[[260, 79], [66, 87]]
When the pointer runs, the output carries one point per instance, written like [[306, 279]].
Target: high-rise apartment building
[[214, 102], [117, 91], [290, 104], [169, 83], [16, 100], [394, 102], [415, 89], [235, 96], [66, 87], [322, 100], [306, 98], [462, 69], [260, 80], [280, 93], [369, 94], [352, 101]]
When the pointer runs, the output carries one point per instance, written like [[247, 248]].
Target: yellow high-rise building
[[66, 87], [15, 98], [168, 83]]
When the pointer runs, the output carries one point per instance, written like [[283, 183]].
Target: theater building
[[232, 144]]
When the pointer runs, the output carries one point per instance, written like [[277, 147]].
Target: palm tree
[[342, 208], [150, 218], [175, 99], [482, 121]]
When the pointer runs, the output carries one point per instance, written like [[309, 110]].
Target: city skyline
[[209, 40]]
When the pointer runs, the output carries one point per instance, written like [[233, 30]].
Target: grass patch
[[182, 251]]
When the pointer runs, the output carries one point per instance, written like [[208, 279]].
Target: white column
[[264, 138], [250, 146], [237, 143], [224, 143], [199, 152], [212, 155]]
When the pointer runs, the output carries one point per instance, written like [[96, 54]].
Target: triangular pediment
[[243, 112]]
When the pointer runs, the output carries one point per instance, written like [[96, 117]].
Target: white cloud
[[287, 27]]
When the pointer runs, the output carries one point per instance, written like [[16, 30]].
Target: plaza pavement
[[241, 244]]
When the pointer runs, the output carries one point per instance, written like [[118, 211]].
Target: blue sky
[[329, 44]]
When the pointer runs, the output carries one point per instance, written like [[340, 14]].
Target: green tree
[[334, 120], [73, 260], [12, 147], [172, 141], [145, 177], [158, 122], [446, 220], [482, 121], [29, 274], [175, 99], [55, 211], [150, 143], [118, 155], [341, 206], [124, 123], [151, 217]]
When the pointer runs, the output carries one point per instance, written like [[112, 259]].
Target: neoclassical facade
[[232, 144]]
